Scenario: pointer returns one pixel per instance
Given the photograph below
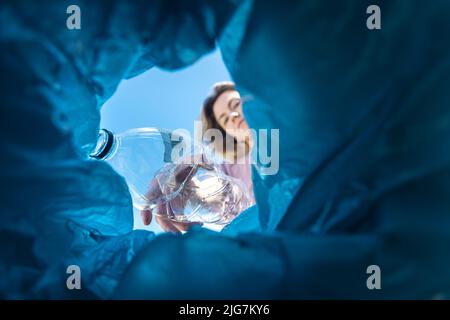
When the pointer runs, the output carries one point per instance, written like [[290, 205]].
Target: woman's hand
[[167, 224], [163, 211]]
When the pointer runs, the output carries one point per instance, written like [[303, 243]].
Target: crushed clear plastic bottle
[[164, 174]]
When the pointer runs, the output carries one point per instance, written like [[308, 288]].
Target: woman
[[222, 110], [222, 113]]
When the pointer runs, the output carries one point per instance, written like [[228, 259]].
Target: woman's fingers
[[181, 226], [153, 192], [183, 171], [146, 216], [185, 226], [167, 225], [173, 226], [163, 211]]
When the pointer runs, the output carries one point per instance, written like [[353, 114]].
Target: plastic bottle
[[167, 175]]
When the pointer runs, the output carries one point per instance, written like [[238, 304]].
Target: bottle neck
[[104, 146]]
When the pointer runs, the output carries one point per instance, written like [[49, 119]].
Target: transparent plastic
[[169, 175]]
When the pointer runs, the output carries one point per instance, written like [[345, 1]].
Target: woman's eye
[[225, 121], [236, 105]]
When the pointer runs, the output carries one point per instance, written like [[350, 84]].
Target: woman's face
[[228, 113]]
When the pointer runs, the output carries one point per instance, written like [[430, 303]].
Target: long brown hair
[[209, 121]]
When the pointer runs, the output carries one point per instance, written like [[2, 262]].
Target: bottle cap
[[104, 144]]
